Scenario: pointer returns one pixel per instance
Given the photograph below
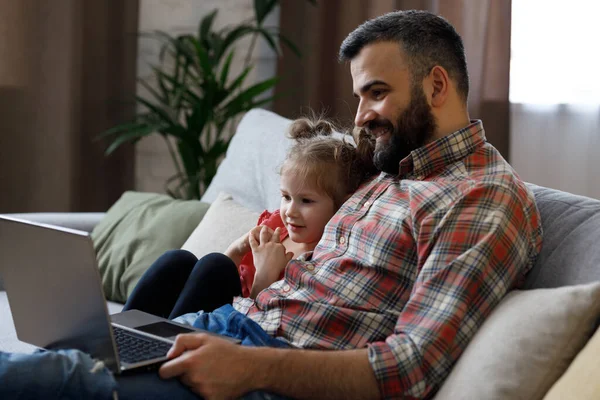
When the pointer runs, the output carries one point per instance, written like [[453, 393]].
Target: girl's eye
[[285, 197], [307, 201]]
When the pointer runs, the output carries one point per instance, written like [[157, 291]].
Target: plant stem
[[173, 156], [250, 50]]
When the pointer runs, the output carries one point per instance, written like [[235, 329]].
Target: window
[[555, 52]]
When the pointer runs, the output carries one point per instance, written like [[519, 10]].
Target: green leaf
[[131, 135], [201, 57], [206, 25], [225, 69], [120, 128], [239, 80], [268, 36], [177, 86], [157, 110], [290, 45], [262, 8], [236, 34], [153, 92], [248, 95]]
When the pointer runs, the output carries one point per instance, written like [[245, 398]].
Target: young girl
[[319, 173]]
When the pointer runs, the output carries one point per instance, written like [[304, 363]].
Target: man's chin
[[385, 163]]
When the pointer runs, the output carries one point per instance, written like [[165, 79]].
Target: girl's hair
[[337, 166]]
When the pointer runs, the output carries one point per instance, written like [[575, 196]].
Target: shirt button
[[342, 240], [367, 204], [286, 288], [310, 267]]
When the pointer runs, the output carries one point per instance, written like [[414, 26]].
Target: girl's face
[[305, 210]]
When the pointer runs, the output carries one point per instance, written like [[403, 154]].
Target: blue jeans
[[71, 374]]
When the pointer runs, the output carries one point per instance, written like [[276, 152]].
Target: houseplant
[[194, 102]]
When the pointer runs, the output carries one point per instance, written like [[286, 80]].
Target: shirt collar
[[443, 152]]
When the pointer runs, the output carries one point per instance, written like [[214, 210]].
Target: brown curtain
[[67, 72], [317, 80]]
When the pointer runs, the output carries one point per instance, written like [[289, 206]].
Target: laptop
[[55, 294]]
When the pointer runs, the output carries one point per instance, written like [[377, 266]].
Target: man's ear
[[438, 85]]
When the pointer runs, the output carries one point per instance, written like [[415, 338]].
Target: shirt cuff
[[395, 371]]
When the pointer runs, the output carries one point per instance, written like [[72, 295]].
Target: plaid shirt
[[411, 265]]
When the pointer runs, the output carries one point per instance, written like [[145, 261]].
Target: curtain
[[556, 146], [67, 72], [317, 80], [555, 110]]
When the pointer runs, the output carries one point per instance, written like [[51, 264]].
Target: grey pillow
[[525, 345]]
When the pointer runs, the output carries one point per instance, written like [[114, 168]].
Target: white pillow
[[250, 170], [525, 345], [224, 222]]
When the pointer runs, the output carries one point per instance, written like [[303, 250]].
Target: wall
[[153, 163]]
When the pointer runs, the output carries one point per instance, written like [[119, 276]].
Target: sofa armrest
[[85, 221]]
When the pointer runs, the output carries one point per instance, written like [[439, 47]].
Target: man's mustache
[[379, 123]]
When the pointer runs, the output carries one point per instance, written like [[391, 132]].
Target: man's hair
[[336, 166], [426, 39]]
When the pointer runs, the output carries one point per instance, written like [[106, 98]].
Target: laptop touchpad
[[163, 329]]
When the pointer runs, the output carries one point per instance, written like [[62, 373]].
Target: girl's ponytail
[[306, 128]]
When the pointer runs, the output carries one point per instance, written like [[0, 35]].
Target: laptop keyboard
[[134, 348]]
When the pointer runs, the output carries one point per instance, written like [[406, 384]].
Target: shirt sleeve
[[470, 254]]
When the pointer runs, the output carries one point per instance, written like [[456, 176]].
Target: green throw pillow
[[136, 230]]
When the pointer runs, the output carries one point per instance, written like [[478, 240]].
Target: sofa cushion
[[570, 253], [224, 222], [525, 345], [136, 230]]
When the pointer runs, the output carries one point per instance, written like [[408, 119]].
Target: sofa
[[528, 346]]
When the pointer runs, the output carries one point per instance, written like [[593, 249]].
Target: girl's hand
[[241, 246], [270, 258]]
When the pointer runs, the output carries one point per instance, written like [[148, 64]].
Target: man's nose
[[364, 114]]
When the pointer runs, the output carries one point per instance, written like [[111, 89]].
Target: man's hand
[[270, 258], [217, 369], [210, 366]]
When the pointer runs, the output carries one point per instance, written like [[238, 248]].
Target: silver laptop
[[55, 294]]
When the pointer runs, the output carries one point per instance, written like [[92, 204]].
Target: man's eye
[[377, 93]]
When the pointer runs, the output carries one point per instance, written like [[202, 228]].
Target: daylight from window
[[555, 52]]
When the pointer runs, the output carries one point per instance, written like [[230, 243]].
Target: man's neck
[[452, 122]]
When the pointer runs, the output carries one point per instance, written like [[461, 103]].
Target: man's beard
[[414, 127]]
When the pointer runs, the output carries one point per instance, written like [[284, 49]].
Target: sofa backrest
[[571, 248]]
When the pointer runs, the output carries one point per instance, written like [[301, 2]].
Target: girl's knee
[[179, 256]]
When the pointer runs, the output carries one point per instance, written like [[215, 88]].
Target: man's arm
[[215, 368], [470, 254]]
